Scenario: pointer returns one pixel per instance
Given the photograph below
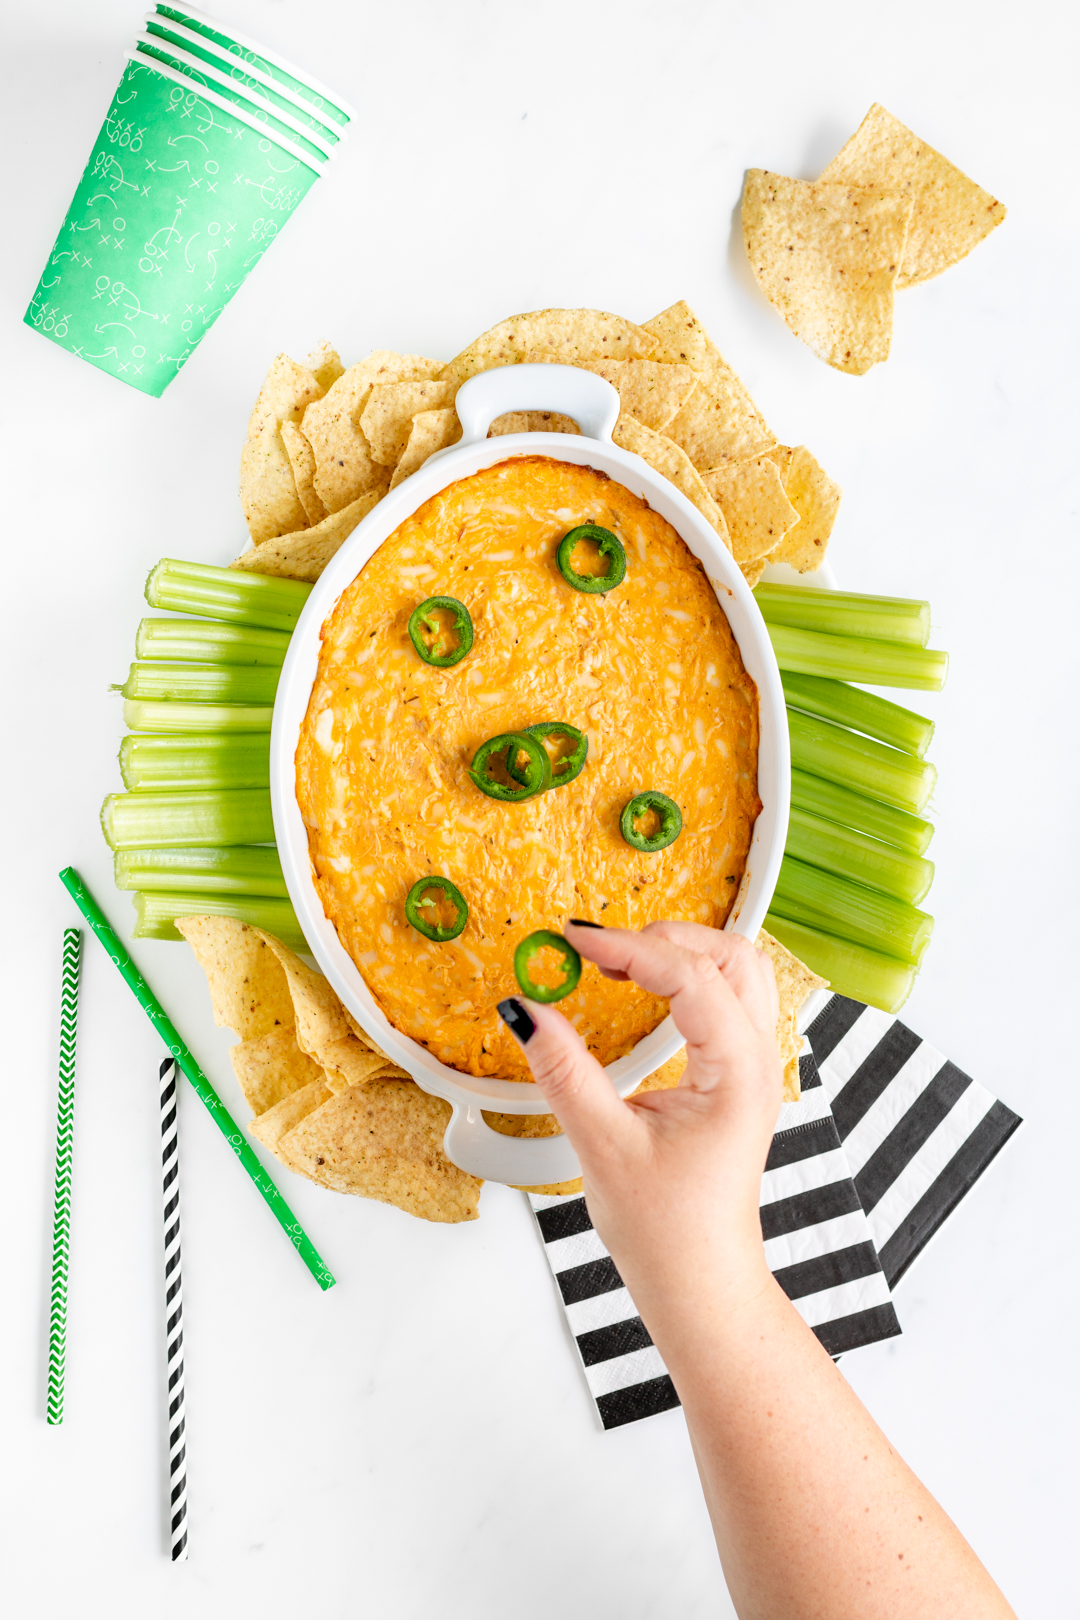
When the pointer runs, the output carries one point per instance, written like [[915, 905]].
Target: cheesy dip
[[649, 671]]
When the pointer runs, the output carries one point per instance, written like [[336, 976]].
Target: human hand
[[672, 1178]]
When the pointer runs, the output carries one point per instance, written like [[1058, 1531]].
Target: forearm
[[814, 1513]]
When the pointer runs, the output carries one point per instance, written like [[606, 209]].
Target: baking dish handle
[[520, 1161], [583, 396]]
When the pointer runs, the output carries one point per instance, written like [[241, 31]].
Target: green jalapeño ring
[[607, 545], [670, 821], [571, 965], [422, 620], [570, 765], [419, 899], [524, 780]]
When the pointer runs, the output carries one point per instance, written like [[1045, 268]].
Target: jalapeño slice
[[670, 817], [571, 965], [419, 900], [569, 765], [439, 651], [607, 545], [519, 779]]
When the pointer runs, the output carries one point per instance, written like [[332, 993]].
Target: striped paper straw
[[65, 1132], [174, 1312], [224, 1121]]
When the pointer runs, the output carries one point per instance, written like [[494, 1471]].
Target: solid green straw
[[65, 1130], [224, 1121]]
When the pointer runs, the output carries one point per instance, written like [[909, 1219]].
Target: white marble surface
[[419, 1441]]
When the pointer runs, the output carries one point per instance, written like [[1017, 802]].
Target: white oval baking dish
[[594, 405]]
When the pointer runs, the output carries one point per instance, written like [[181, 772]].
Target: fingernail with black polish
[[513, 1013], [581, 922]]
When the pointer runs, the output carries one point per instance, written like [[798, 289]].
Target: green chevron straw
[[224, 1121], [65, 1131]]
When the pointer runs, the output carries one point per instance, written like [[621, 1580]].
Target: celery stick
[[852, 970], [237, 869], [182, 718], [842, 804], [819, 899], [844, 613], [862, 711], [190, 820], [154, 763], [201, 683], [859, 762], [852, 855], [204, 642], [155, 914], [225, 593], [846, 658]]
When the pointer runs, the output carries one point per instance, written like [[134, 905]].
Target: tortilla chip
[[305, 554], [267, 491], [349, 1062], [667, 458], [651, 391], [827, 256], [817, 500], [272, 1067], [344, 467], [757, 512], [248, 989], [532, 422], [302, 461], [320, 1017], [384, 1141], [794, 982], [286, 1115], [719, 422], [325, 366], [430, 431], [363, 1037], [752, 572], [386, 421], [569, 336], [950, 213]]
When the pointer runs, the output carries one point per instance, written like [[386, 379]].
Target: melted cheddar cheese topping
[[650, 672]]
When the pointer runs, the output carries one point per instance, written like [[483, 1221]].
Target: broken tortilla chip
[[757, 512], [794, 982], [249, 991], [325, 365], [651, 391], [384, 1141], [532, 422], [430, 431], [267, 491], [305, 554], [568, 336], [718, 422], [387, 417], [344, 466], [665, 457], [272, 1067], [302, 461], [287, 1114], [816, 498], [950, 213], [827, 256]]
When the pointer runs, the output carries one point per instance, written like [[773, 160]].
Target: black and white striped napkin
[[885, 1140]]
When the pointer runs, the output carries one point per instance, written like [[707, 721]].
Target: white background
[[419, 1441]]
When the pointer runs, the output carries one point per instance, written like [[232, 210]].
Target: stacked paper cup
[[208, 146]]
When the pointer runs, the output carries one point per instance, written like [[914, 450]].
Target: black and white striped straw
[[174, 1313]]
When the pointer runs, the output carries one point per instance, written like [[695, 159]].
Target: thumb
[[581, 1095]]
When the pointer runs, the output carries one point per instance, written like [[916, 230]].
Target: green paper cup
[[187, 185], [223, 68], [256, 57]]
